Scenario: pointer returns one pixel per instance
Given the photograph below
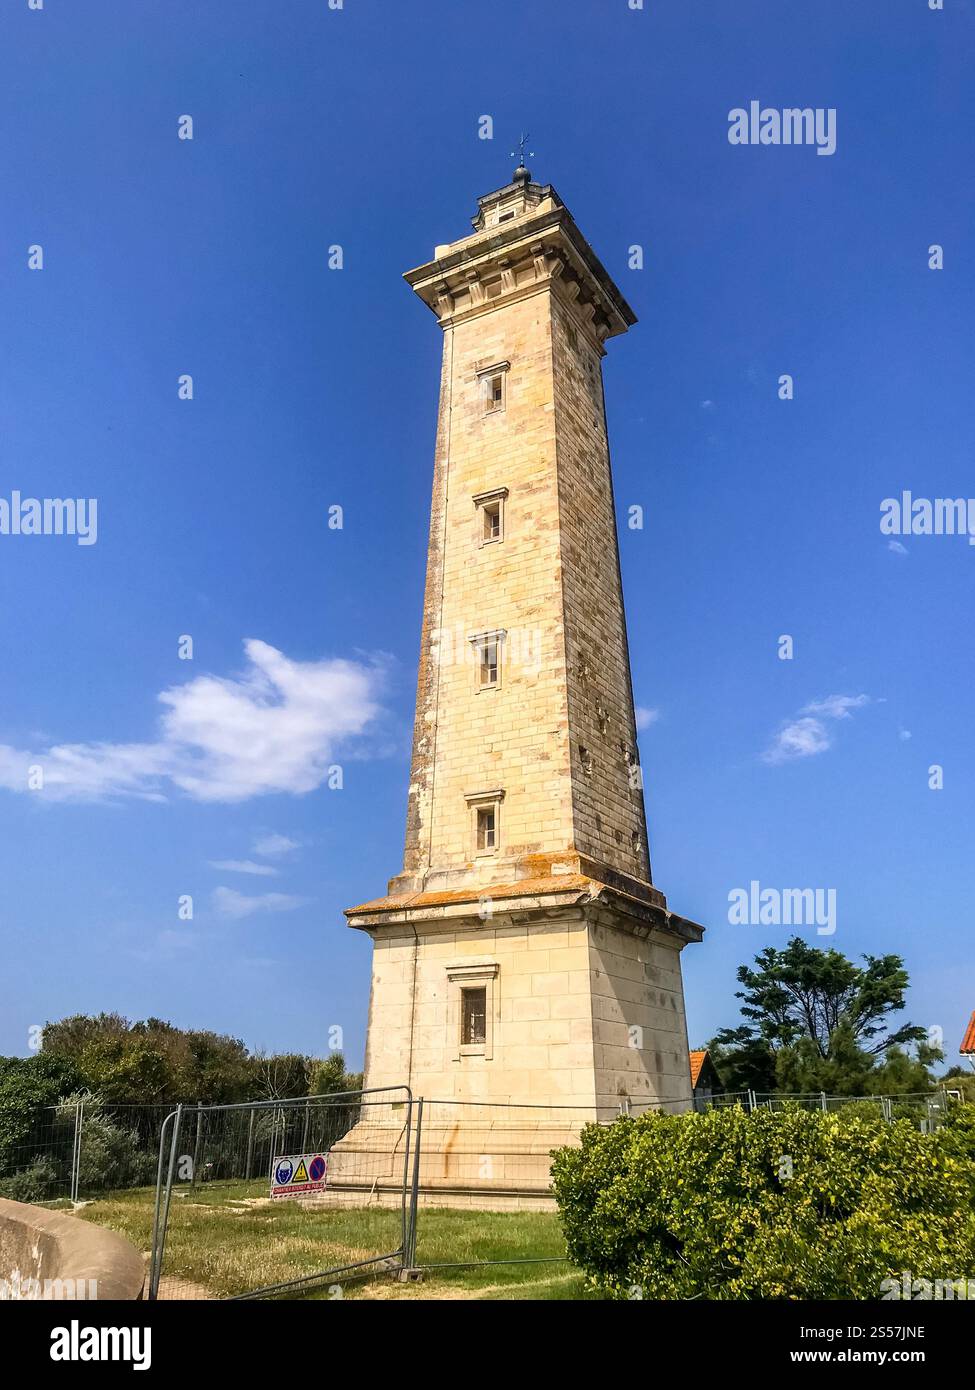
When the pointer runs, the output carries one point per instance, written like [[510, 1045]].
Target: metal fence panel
[[85, 1148], [213, 1183], [41, 1164], [208, 1167]]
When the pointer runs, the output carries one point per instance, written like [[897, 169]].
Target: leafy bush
[[150, 1061], [34, 1184], [790, 1204], [964, 1081], [29, 1089], [958, 1131], [111, 1156]]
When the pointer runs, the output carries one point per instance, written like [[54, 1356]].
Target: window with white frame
[[485, 813], [489, 511], [487, 659], [492, 381], [487, 829], [492, 520], [488, 670]]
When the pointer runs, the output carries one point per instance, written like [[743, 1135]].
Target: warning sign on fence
[[295, 1175]]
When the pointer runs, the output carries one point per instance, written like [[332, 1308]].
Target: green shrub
[[961, 1081], [111, 1156], [37, 1183], [957, 1132], [30, 1087], [791, 1204], [913, 1111]]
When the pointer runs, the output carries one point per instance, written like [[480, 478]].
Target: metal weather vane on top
[[522, 142]]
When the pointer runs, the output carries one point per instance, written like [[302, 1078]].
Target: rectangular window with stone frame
[[492, 382], [473, 1016], [485, 813], [473, 1008], [486, 648], [489, 508]]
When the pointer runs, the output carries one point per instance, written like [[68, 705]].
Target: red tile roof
[[968, 1041], [697, 1062]]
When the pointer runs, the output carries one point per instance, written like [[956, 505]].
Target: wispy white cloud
[[897, 547], [809, 733], [836, 706], [87, 771], [272, 846], [645, 717], [244, 866], [229, 903], [800, 739], [274, 728]]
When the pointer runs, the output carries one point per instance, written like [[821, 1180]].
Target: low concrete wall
[[46, 1254]]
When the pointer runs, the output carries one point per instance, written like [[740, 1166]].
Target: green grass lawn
[[227, 1238]]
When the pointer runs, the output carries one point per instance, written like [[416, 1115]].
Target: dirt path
[[173, 1290], [390, 1289]]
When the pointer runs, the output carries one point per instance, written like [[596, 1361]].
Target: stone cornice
[[521, 190], [541, 249], [529, 900]]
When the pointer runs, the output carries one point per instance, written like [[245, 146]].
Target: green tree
[[817, 1021], [743, 1062], [70, 1036], [329, 1077], [29, 1089], [217, 1069], [152, 1060], [128, 1071]]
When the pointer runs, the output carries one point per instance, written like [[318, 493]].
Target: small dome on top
[[521, 175]]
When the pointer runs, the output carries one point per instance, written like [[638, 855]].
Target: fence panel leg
[[196, 1145], [75, 1183], [250, 1145], [158, 1202], [162, 1207], [409, 1255]]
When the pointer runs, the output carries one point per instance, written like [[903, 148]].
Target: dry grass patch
[[228, 1239]]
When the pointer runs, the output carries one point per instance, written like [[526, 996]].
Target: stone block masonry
[[526, 971]]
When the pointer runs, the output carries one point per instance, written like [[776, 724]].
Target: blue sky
[[317, 387]]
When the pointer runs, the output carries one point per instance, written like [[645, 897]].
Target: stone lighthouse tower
[[526, 971]]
